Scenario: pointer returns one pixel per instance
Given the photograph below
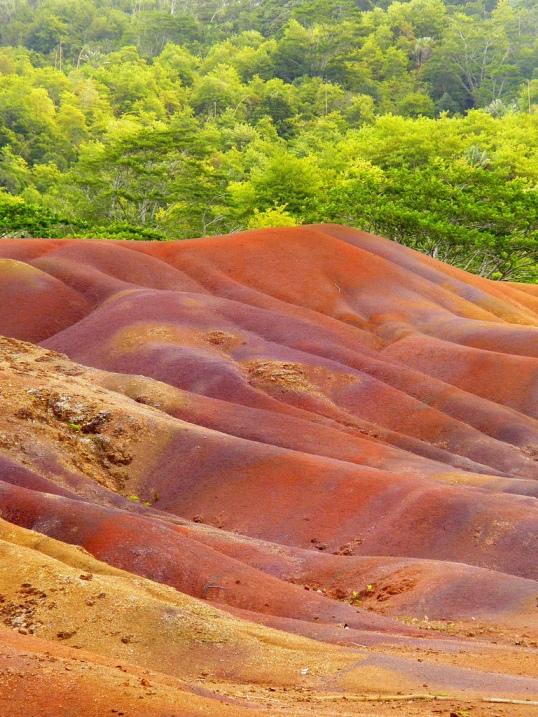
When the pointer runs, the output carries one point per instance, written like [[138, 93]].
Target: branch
[[419, 696]]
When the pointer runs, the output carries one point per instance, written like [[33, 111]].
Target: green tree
[[284, 181], [416, 104], [154, 177], [21, 219], [476, 56], [458, 212]]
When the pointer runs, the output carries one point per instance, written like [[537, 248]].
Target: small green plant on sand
[[136, 499]]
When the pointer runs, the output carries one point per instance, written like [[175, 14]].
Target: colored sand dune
[[276, 472]]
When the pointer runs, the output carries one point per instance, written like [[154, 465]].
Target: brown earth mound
[[328, 437]]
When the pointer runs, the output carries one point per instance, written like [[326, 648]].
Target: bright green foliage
[[118, 230], [277, 216], [465, 215], [161, 119], [285, 180], [20, 219], [151, 177]]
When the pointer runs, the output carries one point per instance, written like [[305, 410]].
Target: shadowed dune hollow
[[288, 471]]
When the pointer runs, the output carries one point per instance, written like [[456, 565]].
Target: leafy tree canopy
[[161, 119]]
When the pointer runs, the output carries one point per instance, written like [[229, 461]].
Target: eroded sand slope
[[296, 466]]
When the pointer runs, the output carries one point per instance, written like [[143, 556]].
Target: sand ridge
[[282, 450]]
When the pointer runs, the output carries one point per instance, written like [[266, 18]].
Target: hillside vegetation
[[160, 119]]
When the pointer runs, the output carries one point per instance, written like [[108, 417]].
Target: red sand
[[300, 408]]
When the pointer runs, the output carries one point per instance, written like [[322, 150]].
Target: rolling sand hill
[[284, 472]]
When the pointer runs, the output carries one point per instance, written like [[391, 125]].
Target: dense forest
[[168, 119]]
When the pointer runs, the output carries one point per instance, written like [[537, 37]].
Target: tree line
[[160, 119]]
